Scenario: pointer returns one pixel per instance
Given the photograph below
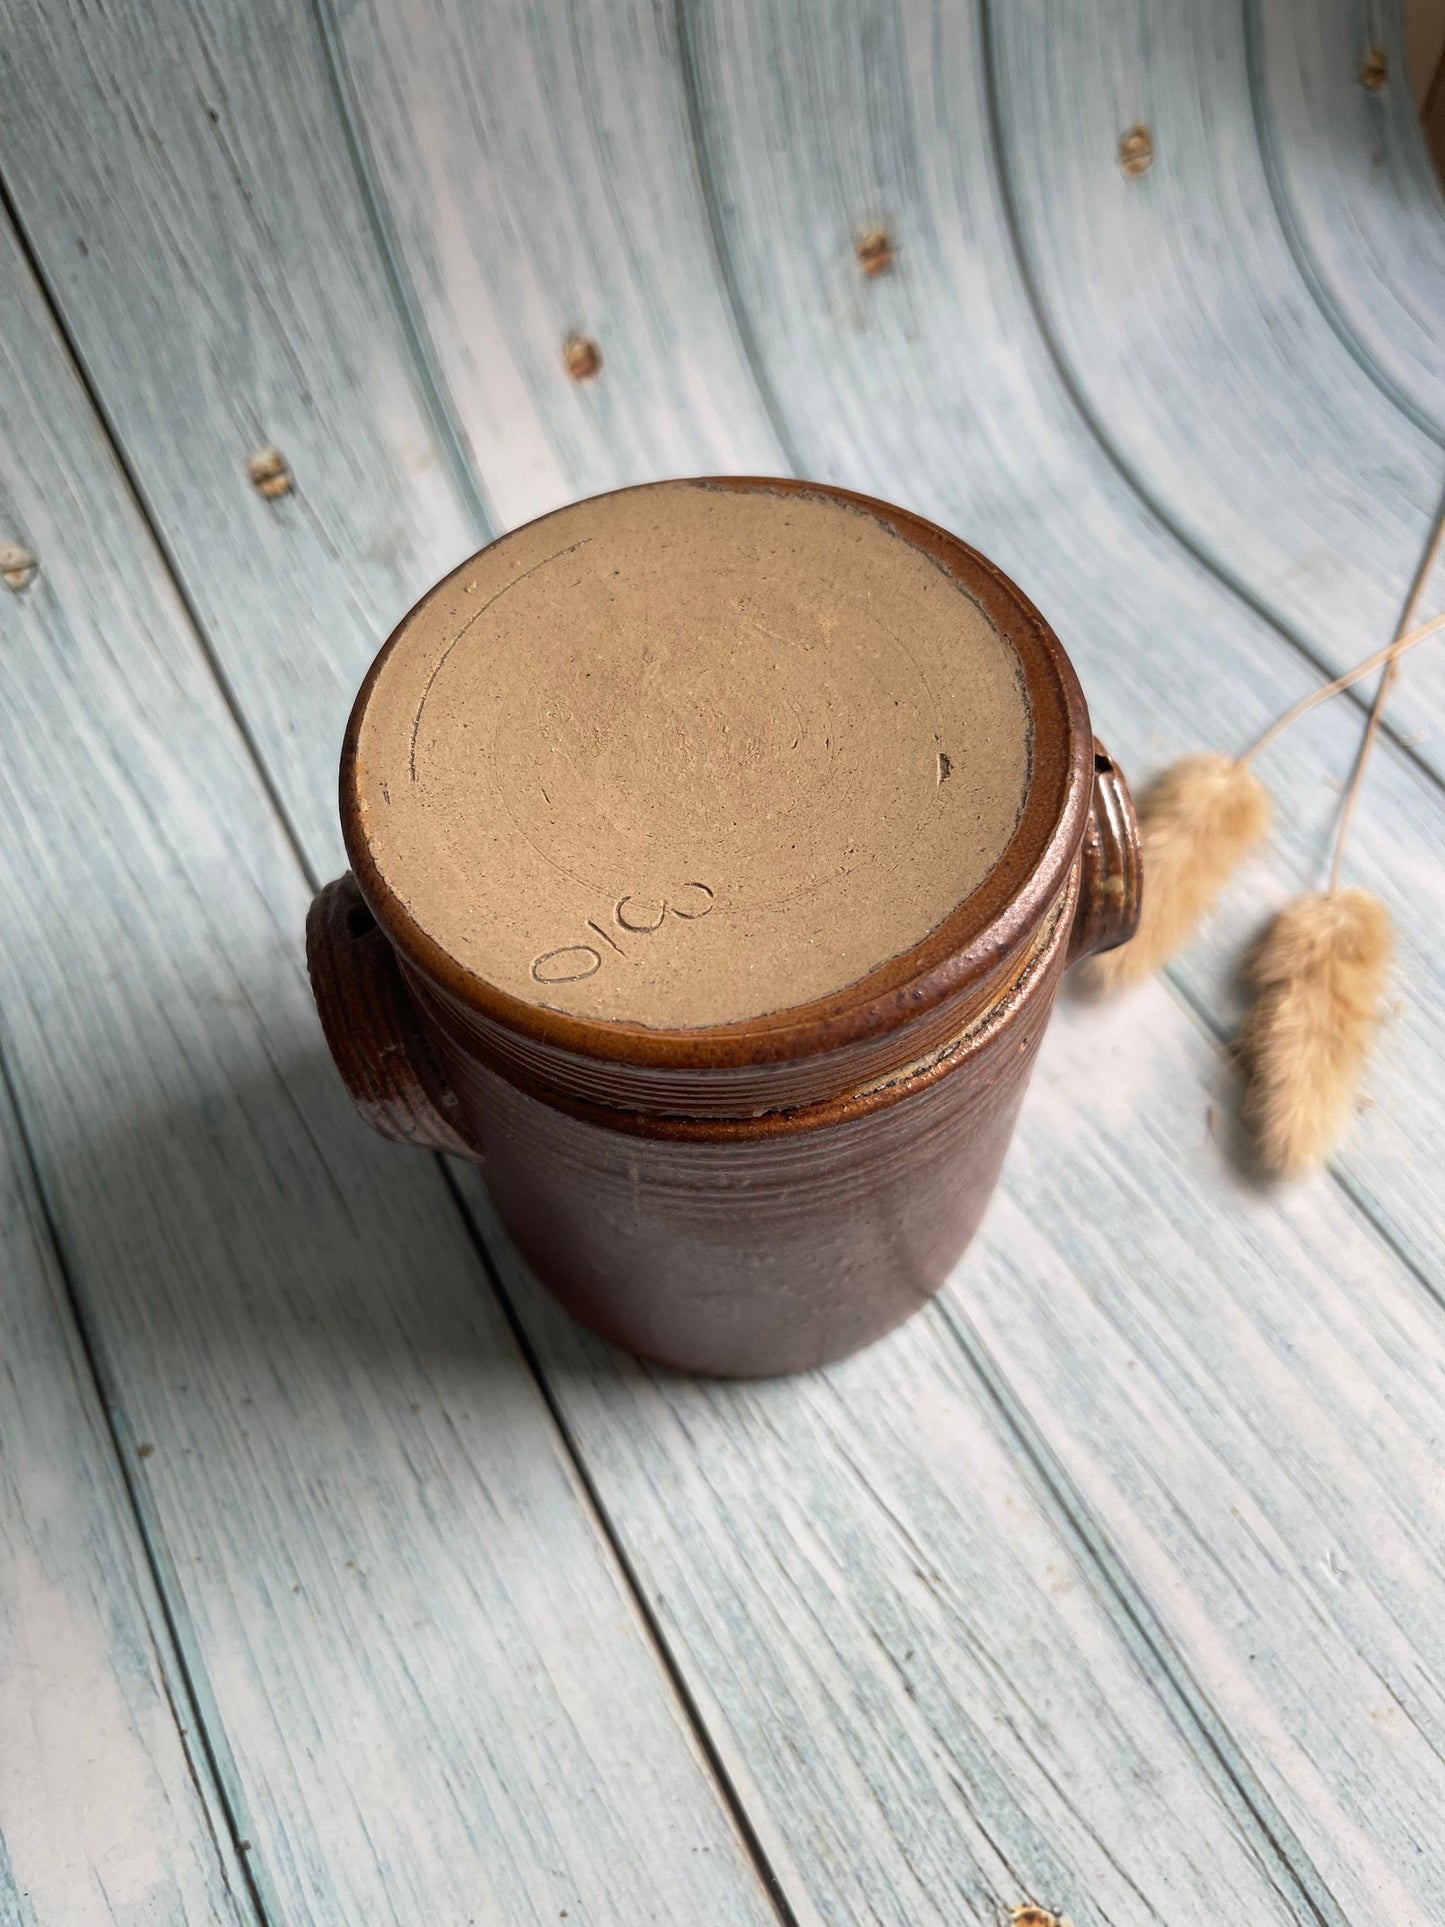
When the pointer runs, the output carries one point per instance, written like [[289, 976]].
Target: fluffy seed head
[[1320, 974], [1196, 823]]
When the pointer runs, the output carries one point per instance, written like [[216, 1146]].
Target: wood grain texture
[[1200, 1851], [910, 1747], [184, 177], [916, 1679], [1217, 1387], [872, 386], [94, 1711], [1247, 1402], [428, 1692], [540, 183], [1195, 341], [1356, 187], [988, 442]]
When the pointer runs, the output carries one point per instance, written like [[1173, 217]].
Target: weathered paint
[[1114, 1583]]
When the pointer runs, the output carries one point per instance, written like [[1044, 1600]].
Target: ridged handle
[[371, 1024], [1111, 872]]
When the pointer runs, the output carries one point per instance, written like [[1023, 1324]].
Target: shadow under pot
[[717, 848]]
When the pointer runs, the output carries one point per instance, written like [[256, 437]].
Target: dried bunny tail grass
[[1320, 973], [1196, 821]]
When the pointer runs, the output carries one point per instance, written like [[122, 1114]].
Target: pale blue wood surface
[[546, 187], [922, 1683], [1356, 187], [1186, 326], [971, 422], [1215, 1403], [189, 186], [1114, 1582], [1039, 1840], [426, 1686], [95, 1716]]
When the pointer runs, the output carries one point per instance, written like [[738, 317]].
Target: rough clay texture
[[688, 755]]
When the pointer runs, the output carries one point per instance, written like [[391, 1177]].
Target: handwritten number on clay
[[699, 902], [632, 915], [569, 965], [574, 961]]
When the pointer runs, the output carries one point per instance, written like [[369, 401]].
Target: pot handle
[[371, 1025], [1110, 868]]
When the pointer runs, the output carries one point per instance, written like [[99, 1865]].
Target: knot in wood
[[1374, 69], [581, 358], [875, 251], [267, 469], [18, 567], [1136, 149]]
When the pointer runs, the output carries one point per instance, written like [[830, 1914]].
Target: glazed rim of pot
[[923, 991]]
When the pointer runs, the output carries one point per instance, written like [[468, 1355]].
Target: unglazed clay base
[[691, 754]]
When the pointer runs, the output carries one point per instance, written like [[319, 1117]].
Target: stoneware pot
[[717, 848]]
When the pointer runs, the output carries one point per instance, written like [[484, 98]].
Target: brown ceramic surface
[[773, 1188]]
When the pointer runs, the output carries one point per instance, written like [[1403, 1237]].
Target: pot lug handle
[[371, 1025], [1111, 874]]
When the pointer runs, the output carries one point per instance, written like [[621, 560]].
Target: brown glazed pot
[[768, 1193]]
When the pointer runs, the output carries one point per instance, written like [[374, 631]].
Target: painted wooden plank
[[212, 326], [788, 1796], [108, 1812], [1356, 186], [1101, 522], [184, 176], [429, 1694], [877, 390], [917, 1680], [877, 393], [1236, 1395], [1197, 344], [1247, 1399], [1201, 1851], [540, 181]]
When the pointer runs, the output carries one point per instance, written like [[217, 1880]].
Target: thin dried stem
[[1403, 639], [1377, 707]]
